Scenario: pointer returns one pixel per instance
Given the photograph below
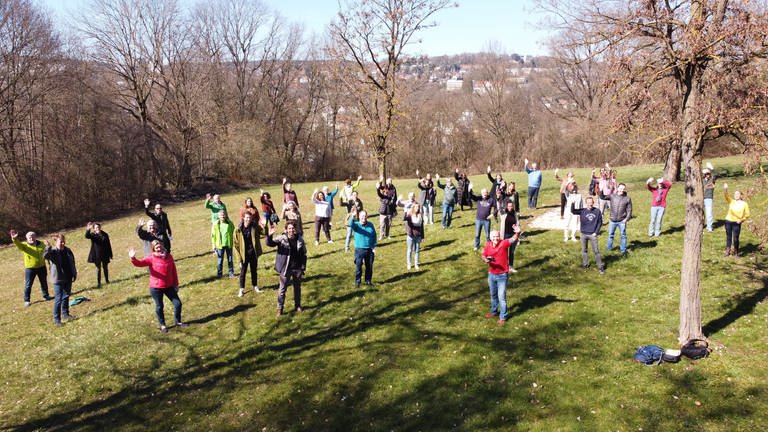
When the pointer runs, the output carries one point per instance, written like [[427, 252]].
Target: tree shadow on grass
[[452, 257], [223, 314], [535, 263], [533, 232], [203, 281], [740, 305], [639, 244]]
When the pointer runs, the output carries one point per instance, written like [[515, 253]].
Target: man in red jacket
[[495, 253]]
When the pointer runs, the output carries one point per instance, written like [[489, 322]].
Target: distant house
[[454, 84]]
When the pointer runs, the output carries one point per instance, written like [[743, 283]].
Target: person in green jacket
[[222, 233], [214, 204], [34, 264], [247, 245]]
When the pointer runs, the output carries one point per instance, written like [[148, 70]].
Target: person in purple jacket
[[658, 203], [486, 209]]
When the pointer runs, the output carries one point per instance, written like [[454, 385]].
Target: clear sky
[[510, 25]]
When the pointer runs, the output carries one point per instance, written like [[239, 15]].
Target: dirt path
[[549, 220]]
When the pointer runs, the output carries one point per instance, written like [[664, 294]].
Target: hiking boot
[[727, 252]]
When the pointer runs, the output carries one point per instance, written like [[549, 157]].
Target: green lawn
[[414, 352]]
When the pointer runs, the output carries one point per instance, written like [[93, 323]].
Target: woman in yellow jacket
[[738, 212]]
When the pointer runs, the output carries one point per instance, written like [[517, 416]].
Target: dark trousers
[[325, 224], [363, 256], [173, 296], [563, 201], [250, 260], [289, 276], [99, 266], [732, 232], [511, 252], [29, 278], [586, 240], [61, 293], [533, 197]]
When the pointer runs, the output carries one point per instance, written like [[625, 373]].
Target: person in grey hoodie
[[621, 213], [450, 196], [63, 274]]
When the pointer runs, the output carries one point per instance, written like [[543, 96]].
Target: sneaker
[[565, 240], [240, 293], [408, 266], [475, 248], [180, 324], [299, 309], [573, 239], [26, 304], [602, 270], [330, 241], [585, 266], [47, 297], [490, 315], [317, 242], [416, 266], [346, 250], [512, 270], [163, 329], [231, 275], [256, 289], [68, 317], [57, 323], [357, 285], [279, 313], [501, 321]]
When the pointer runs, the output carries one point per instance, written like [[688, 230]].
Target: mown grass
[[414, 352]]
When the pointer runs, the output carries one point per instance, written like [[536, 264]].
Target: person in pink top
[[496, 254], [163, 280], [658, 204]]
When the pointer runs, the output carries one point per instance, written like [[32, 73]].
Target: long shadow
[[204, 280], [452, 257], [534, 302], [202, 254], [112, 282], [312, 277], [224, 314], [402, 276], [672, 230], [744, 305], [639, 244], [750, 248], [534, 232], [536, 262], [441, 243], [339, 299]]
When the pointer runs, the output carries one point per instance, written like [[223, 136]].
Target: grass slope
[[414, 353]]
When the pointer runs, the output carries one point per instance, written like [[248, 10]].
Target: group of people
[[498, 203]]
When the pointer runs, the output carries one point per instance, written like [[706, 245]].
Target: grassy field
[[412, 353]]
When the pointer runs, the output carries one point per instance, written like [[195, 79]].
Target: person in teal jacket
[[222, 234], [365, 246], [214, 204], [34, 264]]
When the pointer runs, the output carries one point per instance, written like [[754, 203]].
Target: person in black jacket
[[101, 250], [388, 205], [161, 219], [290, 263], [462, 189], [63, 274], [590, 222], [152, 234]]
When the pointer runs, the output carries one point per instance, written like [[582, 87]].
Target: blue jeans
[[657, 214], [622, 230], [29, 278], [363, 255], [349, 236], [220, 258], [708, 213], [447, 215], [61, 292], [533, 197], [173, 296], [485, 225], [497, 283], [413, 244]]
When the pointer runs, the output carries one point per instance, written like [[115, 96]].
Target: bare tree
[[368, 40], [688, 54]]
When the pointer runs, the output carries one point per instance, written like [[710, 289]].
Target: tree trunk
[[690, 295], [382, 160], [672, 164]]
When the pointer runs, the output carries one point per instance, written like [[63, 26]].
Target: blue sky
[[507, 24]]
